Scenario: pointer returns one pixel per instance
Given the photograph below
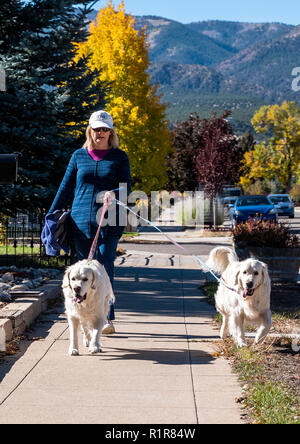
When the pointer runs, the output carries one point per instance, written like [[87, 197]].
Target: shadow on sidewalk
[[160, 292], [142, 293], [161, 356]]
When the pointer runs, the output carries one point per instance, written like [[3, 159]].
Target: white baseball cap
[[101, 119]]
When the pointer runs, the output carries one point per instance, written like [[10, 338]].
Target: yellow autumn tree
[[120, 53], [279, 156]]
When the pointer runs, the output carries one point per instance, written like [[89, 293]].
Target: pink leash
[[95, 242]]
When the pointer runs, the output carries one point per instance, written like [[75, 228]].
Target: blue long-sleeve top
[[84, 179]]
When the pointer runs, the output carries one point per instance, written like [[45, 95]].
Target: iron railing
[[21, 245]]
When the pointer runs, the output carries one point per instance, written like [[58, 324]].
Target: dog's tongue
[[247, 293], [79, 299]]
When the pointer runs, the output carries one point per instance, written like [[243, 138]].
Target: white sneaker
[[108, 328]]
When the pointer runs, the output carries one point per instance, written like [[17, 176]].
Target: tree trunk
[[289, 184], [215, 213]]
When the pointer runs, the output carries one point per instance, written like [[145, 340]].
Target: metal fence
[[21, 245]]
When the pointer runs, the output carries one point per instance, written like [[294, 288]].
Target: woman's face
[[101, 137]]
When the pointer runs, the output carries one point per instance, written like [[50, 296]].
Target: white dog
[[88, 292], [243, 295]]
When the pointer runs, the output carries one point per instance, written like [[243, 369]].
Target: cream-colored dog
[[243, 296], [88, 292]]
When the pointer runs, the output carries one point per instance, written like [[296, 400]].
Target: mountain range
[[212, 65]]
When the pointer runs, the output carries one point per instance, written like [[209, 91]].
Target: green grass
[[273, 403], [28, 257], [19, 250], [130, 234], [268, 401], [248, 363]]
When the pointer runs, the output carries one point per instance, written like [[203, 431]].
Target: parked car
[[231, 191], [228, 204], [257, 207], [283, 204], [229, 201]]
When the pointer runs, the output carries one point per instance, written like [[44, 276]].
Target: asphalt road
[[199, 248]]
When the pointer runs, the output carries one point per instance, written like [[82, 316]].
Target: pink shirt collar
[[98, 154]]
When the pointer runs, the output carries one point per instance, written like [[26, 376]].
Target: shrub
[[256, 233]]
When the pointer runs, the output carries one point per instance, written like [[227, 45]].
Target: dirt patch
[[282, 363]]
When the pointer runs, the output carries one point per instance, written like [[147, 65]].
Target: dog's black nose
[[250, 284], [77, 289]]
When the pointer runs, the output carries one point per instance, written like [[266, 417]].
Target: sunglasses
[[98, 130]]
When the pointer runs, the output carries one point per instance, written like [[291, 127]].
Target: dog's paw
[[73, 352], [94, 350]]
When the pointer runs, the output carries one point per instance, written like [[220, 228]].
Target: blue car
[[256, 207], [284, 204]]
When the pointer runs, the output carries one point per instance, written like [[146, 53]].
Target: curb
[[142, 241], [20, 314]]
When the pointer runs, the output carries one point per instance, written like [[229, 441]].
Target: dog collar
[[228, 288]]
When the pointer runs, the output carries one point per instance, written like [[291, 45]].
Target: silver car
[[284, 204]]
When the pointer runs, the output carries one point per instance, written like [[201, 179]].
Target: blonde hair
[[113, 140]]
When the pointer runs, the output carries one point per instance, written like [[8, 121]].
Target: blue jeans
[[105, 254]]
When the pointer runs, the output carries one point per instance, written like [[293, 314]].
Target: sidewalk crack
[[188, 344]]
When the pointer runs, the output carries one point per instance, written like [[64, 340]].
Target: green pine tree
[[49, 97]]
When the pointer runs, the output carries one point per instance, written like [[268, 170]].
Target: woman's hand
[[109, 197]]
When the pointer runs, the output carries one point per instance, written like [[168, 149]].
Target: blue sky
[[186, 11]]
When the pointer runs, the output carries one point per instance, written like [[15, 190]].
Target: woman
[[93, 172]]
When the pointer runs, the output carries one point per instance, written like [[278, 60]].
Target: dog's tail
[[219, 259]]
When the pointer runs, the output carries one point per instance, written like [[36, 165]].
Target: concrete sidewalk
[[159, 368]]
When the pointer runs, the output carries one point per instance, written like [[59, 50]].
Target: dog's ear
[[265, 275], [237, 281], [93, 286], [66, 280]]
